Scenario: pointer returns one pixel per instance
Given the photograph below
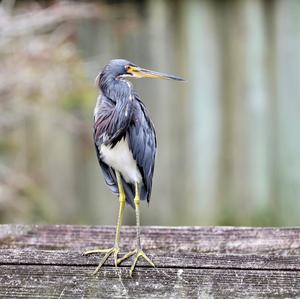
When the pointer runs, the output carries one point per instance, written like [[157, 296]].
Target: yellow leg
[[138, 251], [121, 209], [114, 250]]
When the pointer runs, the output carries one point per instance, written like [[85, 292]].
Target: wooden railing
[[45, 261]]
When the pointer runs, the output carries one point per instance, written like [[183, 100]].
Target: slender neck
[[117, 116], [113, 88]]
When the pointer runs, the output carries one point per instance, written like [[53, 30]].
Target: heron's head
[[121, 68]]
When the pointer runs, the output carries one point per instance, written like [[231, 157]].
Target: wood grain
[[43, 261]]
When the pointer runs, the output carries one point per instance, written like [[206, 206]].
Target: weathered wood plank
[[76, 282], [158, 240], [42, 261], [168, 260]]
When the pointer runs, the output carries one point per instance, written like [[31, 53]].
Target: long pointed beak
[[139, 72]]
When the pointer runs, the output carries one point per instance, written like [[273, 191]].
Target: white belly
[[120, 158]]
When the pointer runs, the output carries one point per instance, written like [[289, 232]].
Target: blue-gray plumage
[[125, 143], [120, 114]]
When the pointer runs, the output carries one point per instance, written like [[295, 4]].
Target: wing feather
[[105, 132], [141, 140], [142, 143]]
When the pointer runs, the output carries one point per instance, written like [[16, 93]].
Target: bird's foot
[[137, 252], [108, 252]]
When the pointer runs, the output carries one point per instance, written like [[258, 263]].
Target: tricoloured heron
[[125, 143]]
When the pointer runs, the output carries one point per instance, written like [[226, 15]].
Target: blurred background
[[229, 138]]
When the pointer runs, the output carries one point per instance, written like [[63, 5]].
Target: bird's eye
[[128, 69]]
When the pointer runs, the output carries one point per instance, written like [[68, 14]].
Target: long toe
[[108, 252], [140, 252], [98, 250], [126, 256]]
